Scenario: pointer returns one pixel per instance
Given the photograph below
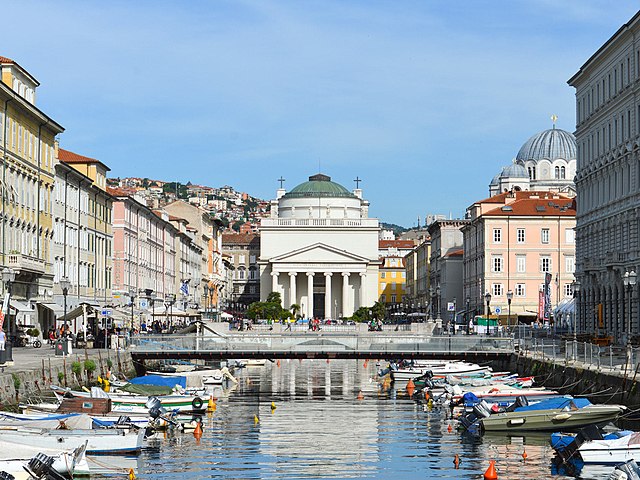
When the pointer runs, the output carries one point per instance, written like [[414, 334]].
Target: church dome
[[319, 185], [550, 144], [515, 170]]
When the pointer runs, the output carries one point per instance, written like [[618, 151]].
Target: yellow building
[[391, 280], [27, 137]]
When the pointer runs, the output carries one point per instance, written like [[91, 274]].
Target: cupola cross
[[281, 180], [357, 180]]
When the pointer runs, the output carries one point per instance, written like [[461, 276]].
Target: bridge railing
[[376, 342]]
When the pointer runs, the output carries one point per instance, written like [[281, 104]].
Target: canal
[[321, 430]]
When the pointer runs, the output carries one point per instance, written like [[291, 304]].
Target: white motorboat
[[24, 461], [438, 371], [98, 442], [618, 450]]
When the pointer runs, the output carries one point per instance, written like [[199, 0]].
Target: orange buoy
[[456, 461], [491, 473], [132, 474], [524, 455], [426, 395], [278, 363], [410, 387], [360, 395], [449, 428], [197, 432], [366, 363]]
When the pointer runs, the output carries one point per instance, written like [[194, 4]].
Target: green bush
[[109, 363], [33, 332], [76, 368], [60, 377], [16, 382], [90, 366]]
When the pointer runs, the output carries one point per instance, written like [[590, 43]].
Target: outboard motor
[[155, 407], [41, 467], [482, 409], [6, 476], [590, 432], [626, 471], [521, 401]]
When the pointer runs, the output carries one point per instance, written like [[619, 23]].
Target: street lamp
[[466, 318], [132, 295], [438, 300], [487, 299], [8, 277], [509, 298], [629, 281], [65, 285], [576, 292]]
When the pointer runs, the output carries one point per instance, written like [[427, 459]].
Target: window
[[569, 264], [497, 290], [393, 274], [545, 263], [383, 285], [521, 263], [569, 236], [383, 274], [545, 235], [393, 298], [496, 263], [252, 259], [242, 259], [532, 173], [520, 290], [568, 290], [520, 235], [497, 235]]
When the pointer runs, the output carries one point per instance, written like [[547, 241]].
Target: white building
[[319, 249], [608, 183]]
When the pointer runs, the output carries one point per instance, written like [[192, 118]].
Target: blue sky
[[423, 100]]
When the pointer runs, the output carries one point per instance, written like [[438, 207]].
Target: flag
[[184, 288]]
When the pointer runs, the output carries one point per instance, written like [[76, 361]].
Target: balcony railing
[[21, 262], [320, 222]]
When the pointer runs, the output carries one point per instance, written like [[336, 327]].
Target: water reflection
[[320, 430]]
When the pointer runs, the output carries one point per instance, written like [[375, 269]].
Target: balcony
[[25, 263], [614, 259]]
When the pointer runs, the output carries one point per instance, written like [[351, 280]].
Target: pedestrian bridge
[[374, 345]]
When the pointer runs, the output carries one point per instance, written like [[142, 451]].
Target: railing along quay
[[319, 345]]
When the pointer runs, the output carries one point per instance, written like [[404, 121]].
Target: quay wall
[[600, 385], [33, 382]]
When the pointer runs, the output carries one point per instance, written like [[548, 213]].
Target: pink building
[[512, 241], [144, 249]]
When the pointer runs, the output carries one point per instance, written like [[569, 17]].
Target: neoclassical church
[[319, 249], [546, 162]]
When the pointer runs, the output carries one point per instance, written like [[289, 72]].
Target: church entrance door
[[318, 305]]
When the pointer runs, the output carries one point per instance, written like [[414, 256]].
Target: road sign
[[497, 310], [144, 303], [451, 307], [107, 312]]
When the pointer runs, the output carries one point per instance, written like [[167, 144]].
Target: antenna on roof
[[554, 119]]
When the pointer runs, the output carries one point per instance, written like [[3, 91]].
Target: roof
[[74, 158], [396, 244], [319, 185], [540, 204], [239, 238], [117, 192], [6, 60], [455, 253], [549, 144]]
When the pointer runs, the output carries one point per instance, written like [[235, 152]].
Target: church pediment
[[319, 253]]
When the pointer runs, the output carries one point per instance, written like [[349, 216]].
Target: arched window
[[557, 174], [562, 172]]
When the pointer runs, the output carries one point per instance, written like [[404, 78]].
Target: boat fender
[[197, 403], [562, 417]]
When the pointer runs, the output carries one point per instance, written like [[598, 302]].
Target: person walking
[[3, 339]]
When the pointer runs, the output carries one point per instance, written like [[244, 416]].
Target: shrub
[[76, 368], [61, 377]]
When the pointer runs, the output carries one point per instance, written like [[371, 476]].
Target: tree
[[363, 314], [295, 310], [378, 311]]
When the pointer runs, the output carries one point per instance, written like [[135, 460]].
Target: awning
[[58, 310], [20, 307], [75, 313]]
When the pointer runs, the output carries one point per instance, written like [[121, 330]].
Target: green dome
[[319, 186]]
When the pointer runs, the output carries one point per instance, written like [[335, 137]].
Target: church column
[[363, 290], [274, 281], [327, 295], [309, 294], [345, 294], [292, 288]]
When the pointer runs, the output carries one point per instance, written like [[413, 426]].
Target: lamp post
[[132, 295], [65, 285], [576, 292], [509, 298], [8, 277], [466, 318], [487, 299], [438, 301], [629, 281]]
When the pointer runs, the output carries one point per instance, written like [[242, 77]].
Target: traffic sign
[[451, 307], [498, 310], [107, 312]]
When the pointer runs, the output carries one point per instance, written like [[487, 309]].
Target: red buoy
[[491, 473]]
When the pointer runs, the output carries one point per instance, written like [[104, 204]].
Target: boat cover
[[470, 398], [160, 381], [556, 404]]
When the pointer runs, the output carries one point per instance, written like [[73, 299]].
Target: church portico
[[320, 249]]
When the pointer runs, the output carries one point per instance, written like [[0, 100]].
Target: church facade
[[319, 249]]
